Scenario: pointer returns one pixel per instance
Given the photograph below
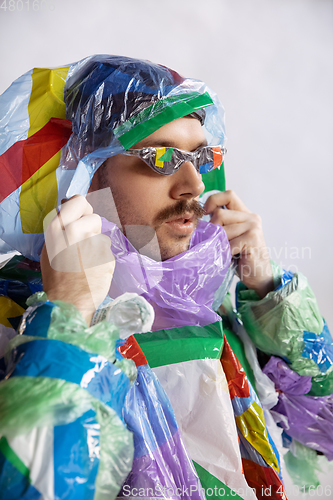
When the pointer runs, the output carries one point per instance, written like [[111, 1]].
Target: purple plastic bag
[[309, 419], [161, 466], [181, 289]]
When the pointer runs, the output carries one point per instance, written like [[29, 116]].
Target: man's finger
[[225, 198], [238, 245]]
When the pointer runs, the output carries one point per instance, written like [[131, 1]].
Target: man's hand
[[76, 262], [244, 231]]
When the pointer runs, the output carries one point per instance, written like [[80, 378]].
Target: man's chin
[[159, 247], [163, 253]]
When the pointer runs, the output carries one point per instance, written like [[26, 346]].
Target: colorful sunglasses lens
[[167, 160], [214, 159]]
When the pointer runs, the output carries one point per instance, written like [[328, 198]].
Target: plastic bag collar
[[181, 289]]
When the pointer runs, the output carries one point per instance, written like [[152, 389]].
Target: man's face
[[166, 203]]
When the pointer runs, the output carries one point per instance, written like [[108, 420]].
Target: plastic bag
[[90, 111], [161, 466], [188, 365], [264, 386], [129, 312]]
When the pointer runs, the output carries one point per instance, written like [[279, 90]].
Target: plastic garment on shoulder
[[303, 465], [322, 385], [60, 380], [19, 292], [182, 288], [307, 419], [91, 110]]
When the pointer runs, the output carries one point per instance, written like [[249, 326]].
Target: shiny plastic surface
[[110, 103], [287, 322], [161, 463], [302, 464], [264, 386], [181, 289], [187, 363], [307, 419], [167, 161], [59, 372]]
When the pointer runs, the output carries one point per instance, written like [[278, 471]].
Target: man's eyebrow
[[165, 144]]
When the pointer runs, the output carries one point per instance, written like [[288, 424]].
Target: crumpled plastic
[[21, 269], [97, 405], [307, 419], [322, 385], [181, 289], [287, 323], [187, 364], [265, 387], [91, 110], [51, 402], [161, 465], [302, 464], [43, 320], [93, 450]]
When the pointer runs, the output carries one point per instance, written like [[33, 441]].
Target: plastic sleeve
[[60, 373], [287, 323]]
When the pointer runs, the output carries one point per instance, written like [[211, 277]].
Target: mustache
[[182, 207]]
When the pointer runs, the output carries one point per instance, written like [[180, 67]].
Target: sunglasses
[[167, 161]]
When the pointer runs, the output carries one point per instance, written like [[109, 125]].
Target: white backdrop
[[270, 61]]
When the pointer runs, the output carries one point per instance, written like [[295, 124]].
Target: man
[[144, 127], [169, 205]]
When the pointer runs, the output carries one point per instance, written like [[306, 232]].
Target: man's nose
[[186, 182]]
